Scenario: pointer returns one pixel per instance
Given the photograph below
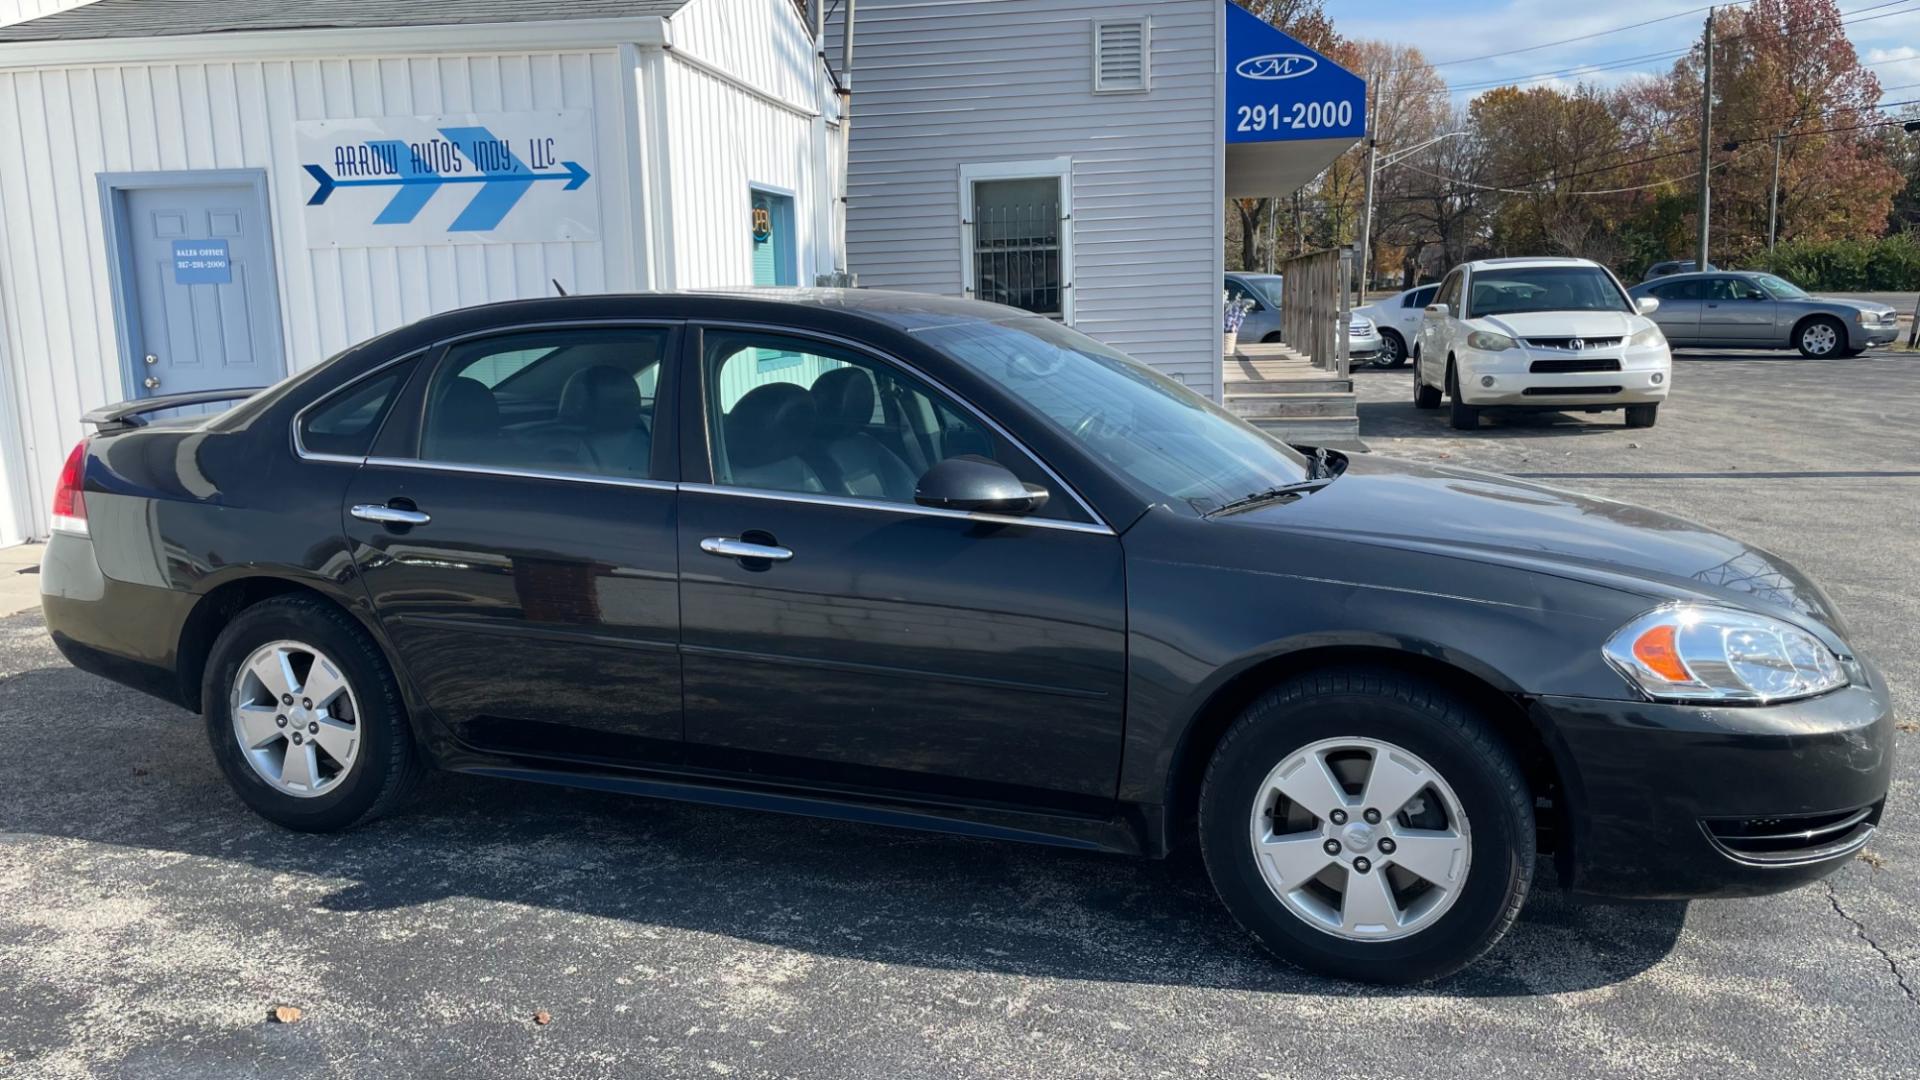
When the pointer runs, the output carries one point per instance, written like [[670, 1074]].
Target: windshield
[[1165, 438], [1268, 288], [1781, 288], [1545, 288]]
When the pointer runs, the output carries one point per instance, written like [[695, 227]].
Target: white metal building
[[198, 195]]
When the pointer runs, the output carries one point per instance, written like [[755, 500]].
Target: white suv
[[1556, 334]]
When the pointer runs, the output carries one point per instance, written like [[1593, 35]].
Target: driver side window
[[796, 415]]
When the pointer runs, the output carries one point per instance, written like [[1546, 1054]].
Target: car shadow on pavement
[[1400, 420], [832, 889]]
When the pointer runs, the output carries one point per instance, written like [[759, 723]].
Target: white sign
[[405, 180]]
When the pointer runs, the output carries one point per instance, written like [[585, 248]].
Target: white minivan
[[1544, 334]]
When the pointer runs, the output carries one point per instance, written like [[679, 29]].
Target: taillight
[[69, 502]]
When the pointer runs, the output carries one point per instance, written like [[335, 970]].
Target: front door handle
[[728, 547], [389, 515]]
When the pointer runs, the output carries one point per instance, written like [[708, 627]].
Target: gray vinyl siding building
[[949, 90]]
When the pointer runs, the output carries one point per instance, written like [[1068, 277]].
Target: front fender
[[1205, 608]]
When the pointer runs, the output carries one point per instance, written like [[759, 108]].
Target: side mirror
[[1438, 311], [1646, 305], [977, 485]]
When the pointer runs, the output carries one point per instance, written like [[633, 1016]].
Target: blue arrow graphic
[[504, 181]]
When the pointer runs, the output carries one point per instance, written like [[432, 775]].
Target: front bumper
[[1665, 800], [1645, 374], [1868, 337], [1364, 346]]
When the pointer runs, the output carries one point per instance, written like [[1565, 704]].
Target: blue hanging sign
[[201, 262], [1278, 89]]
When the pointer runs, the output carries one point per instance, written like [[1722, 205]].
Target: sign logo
[[762, 223], [419, 172], [1276, 66]]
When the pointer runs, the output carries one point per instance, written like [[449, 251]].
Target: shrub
[[1888, 264]]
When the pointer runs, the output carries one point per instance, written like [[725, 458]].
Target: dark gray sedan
[[1749, 310]]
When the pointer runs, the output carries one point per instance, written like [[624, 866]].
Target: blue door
[[199, 295], [773, 261]]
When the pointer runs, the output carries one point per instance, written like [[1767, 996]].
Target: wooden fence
[[1314, 307]]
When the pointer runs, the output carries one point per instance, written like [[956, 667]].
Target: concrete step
[[1254, 406], [1338, 432], [1319, 384]]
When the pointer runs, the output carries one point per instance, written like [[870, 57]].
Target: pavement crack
[[1860, 931]]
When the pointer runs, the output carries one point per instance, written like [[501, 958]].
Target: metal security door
[[198, 293]]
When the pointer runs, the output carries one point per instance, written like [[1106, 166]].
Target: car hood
[[1839, 301], [1586, 324], [1490, 518]]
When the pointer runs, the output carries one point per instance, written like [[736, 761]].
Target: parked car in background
[[1365, 344], [1743, 309], [1398, 317], [1673, 266], [934, 563], [1544, 334]]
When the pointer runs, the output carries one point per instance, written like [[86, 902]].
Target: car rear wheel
[[1820, 338], [1463, 416], [305, 717], [1639, 416], [1365, 824]]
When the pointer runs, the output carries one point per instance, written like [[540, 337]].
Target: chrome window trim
[[844, 502], [523, 474], [887, 357]]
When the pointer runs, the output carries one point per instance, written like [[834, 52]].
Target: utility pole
[[1366, 218], [1773, 205], [1706, 142]]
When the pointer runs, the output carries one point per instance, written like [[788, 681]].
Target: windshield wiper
[[1304, 487]]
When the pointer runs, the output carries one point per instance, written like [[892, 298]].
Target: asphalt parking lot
[[148, 922]]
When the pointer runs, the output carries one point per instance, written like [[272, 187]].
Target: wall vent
[[1120, 56]]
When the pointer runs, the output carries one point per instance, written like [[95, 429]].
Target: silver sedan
[[1733, 309]]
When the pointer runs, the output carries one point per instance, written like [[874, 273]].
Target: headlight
[[1361, 326], [1690, 652], [1488, 341], [1650, 336]]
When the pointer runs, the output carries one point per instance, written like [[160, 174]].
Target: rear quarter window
[[344, 423]]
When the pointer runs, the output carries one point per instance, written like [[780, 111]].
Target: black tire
[[1424, 396], [1271, 339], [1423, 719], [1839, 346], [1395, 353], [387, 766], [1640, 416], [1463, 417]]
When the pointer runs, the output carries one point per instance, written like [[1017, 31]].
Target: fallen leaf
[[1907, 726], [285, 1014], [1872, 858], [543, 1018], [1633, 446]]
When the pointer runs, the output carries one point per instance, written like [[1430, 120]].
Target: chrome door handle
[[389, 515], [729, 548]]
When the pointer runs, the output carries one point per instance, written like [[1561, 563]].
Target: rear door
[[1678, 315], [1413, 307], [886, 645], [515, 529]]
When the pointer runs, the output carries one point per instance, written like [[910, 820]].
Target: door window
[[575, 401], [1450, 294], [1421, 297], [1679, 290], [1238, 291], [1728, 288], [791, 414]]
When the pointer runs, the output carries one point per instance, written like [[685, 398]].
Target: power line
[[1581, 37]]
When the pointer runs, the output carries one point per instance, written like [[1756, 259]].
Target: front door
[[882, 644], [198, 289], [1736, 312], [516, 537]]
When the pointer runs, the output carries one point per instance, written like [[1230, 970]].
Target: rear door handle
[[390, 515], [728, 547]]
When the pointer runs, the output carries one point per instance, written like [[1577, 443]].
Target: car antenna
[[557, 287]]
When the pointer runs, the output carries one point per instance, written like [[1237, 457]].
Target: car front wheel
[[1369, 825], [1424, 396], [1642, 416], [1393, 350], [1821, 338], [305, 717], [1462, 416]]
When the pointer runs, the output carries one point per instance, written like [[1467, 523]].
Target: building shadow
[[828, 888]]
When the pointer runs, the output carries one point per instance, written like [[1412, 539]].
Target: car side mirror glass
[[977, 485], [1647, 305], [1438, 311]]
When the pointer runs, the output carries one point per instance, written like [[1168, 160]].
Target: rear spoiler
[[130, 414]]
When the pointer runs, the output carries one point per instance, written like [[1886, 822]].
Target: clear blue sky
[[1887, 37]]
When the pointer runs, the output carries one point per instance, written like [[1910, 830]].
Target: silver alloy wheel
[[295, 718], [1819, 338], [1360, 839], [1391, 350]]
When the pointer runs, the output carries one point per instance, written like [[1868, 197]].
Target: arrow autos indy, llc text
[[441, 156]]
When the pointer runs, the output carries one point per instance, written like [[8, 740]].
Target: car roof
[[1528, 262], [1668, 279], [1248, 275]]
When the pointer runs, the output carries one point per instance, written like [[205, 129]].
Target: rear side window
[[345, 423], [1420, 297], [1678, 290], [560, 400]]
